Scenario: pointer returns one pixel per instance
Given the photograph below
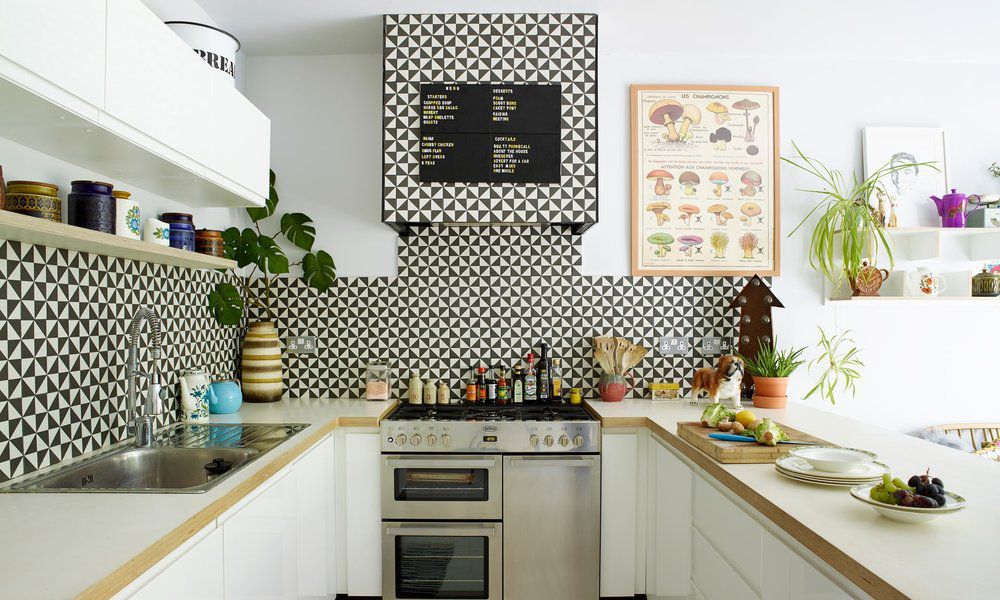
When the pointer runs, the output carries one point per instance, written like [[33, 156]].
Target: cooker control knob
[[400, 439], [578, 441], [446, 440], [533, 440], [432, 439], [548, 440], [415, 440], [563, 441]]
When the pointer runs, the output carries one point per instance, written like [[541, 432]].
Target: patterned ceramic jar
[[127, 218], [261, 371], [209, 241], [92, 206], [35, 199], [156, 232], [182, 236]]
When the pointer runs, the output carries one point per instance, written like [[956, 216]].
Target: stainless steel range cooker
[[491, 501]]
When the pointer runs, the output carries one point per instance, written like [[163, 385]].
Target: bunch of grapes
[[886, 491], [929, 487]]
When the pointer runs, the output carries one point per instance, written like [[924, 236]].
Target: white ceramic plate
[[837, 480], [863, 472], [908, 514], [829, 483], [834, 459]]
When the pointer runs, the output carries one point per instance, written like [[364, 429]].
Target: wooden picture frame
[[705, 180]]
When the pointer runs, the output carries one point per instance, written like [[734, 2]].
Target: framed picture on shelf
[[705, 180], [908, 191]]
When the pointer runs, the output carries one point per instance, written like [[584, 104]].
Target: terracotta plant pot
[[261, 372], [770, 392]]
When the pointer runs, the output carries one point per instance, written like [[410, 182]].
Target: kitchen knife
[[729, 437]]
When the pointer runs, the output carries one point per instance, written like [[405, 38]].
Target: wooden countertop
[[93, 545], [949, 557]]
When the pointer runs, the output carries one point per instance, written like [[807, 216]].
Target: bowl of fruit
[[921, 499]]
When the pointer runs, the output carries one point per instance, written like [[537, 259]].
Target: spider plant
[[845, 210], [771, 362], [840, 363]]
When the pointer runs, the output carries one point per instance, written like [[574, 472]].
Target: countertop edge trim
[[120, 578], [857, 573]]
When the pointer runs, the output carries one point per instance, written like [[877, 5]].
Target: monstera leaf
[[242, 246], [260, 213], [318, 270], [299, 230], [226, 304], [272, 258]]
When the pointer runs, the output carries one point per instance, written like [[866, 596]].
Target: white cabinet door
[[261, 544], [156, 83], [239, 141], [787, 576], [619, 502], [668, 521], [363, 515], [314, 515], [62, 42], [734, 533], [194, 576], [713, 576]]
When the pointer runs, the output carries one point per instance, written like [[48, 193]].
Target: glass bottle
[[503, 391], [530, 381], [557, 382], [517, 385], [471, 388], [544, 380], [481, 385]]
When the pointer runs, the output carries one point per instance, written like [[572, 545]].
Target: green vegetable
[[716, 412], [768, 433]]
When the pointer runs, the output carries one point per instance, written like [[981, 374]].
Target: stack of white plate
[[799, 469]]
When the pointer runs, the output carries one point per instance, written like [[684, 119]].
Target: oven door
[[438, 486], [457, 561]]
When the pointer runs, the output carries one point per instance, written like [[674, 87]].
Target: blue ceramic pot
[[225, 397], [91, 205], [182, 236]]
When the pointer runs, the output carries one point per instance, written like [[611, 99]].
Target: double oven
[[480, 519]]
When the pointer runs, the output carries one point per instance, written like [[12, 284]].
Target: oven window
[[442, 567], [441, 485]]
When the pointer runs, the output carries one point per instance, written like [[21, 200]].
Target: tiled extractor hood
[[499, 49]]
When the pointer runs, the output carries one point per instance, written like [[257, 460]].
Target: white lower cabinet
[[787, 576], [363, 514], [195, 575], [668, 524], [619, 506]]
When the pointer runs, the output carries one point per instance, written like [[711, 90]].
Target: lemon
[[745, 417]]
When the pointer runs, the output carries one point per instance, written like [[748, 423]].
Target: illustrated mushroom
[[689, 179], [748, 242], [749, 210], [659, 209], [720, 137], [690, 116], [687, 242], [752, 180], [665, 112], [717, 210], [719, 242], [662, 242], [724, 217], [718, 179], [751, 131], [746, 105], [720, 110], [659, 175], [686, 211]]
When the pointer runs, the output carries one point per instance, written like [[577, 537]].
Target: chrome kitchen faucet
[[142, 424]]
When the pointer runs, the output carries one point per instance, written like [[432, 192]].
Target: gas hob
[[490, 428]]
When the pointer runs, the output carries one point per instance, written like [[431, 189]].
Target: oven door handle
[[423, 463], [439, 530], [544, 461]]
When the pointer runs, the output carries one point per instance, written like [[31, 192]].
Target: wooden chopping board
[[740, 452]]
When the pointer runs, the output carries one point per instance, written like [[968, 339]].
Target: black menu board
[[484, 133]]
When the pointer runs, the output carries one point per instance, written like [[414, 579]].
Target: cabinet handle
[[417, 463], [553, 462], [488, 531]]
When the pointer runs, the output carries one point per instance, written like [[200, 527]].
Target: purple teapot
[[952, 208]]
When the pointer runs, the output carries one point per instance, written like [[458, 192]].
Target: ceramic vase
[[261, 371], [195, 393], [156, 232], [770, 392], [613, 388]]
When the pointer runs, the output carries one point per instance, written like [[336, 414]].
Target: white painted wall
[[840, 67]]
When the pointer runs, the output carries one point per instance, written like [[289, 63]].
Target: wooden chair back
[[975, 434]]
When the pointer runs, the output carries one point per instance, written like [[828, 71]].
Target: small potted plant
[[771, 369]]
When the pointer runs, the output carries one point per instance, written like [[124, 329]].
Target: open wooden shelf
[[31, 230]]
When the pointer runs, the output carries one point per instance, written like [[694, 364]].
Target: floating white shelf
[[32, 230], [924, 243], [916, 300]]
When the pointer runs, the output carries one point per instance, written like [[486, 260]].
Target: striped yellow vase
[[261, 371]]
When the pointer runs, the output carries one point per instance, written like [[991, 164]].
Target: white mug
[[156, 232], [195, 391], [128, 222], [927, 283]]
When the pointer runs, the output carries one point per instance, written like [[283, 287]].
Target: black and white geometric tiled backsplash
[[63, 322]]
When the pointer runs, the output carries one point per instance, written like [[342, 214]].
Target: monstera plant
[[229, 302]]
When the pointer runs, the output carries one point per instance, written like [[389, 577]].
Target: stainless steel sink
[[183, 459]]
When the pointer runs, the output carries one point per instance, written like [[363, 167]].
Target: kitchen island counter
[[949, 557], [92, 545]]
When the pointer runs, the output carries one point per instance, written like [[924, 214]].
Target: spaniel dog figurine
[[723, 383]]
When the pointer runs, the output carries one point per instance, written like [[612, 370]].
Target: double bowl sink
[[184, 458]]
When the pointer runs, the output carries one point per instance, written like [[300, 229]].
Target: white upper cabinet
[[239, 140], [58, 41]]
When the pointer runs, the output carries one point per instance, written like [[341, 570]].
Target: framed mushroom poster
[[705, 193]]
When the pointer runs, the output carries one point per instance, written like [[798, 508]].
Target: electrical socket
[[674, 345], [716, 345], [301, 344]]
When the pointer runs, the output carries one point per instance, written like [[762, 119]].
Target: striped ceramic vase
[[261, 371]]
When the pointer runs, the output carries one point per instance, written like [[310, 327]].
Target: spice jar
[[444, 394], [91, 206], [416, 389], [35, 199], [986, 284], [181, 230], [575, 396], [377, 380], [430, 389]]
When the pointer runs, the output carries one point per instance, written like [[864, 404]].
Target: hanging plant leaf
[[263, 212], [272, 258], [318, 270], [298, 228], [271, 175], [230, 240], [226, 304], [242, 246]]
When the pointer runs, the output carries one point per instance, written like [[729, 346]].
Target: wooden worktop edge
[[857, 573], [120, 578]]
